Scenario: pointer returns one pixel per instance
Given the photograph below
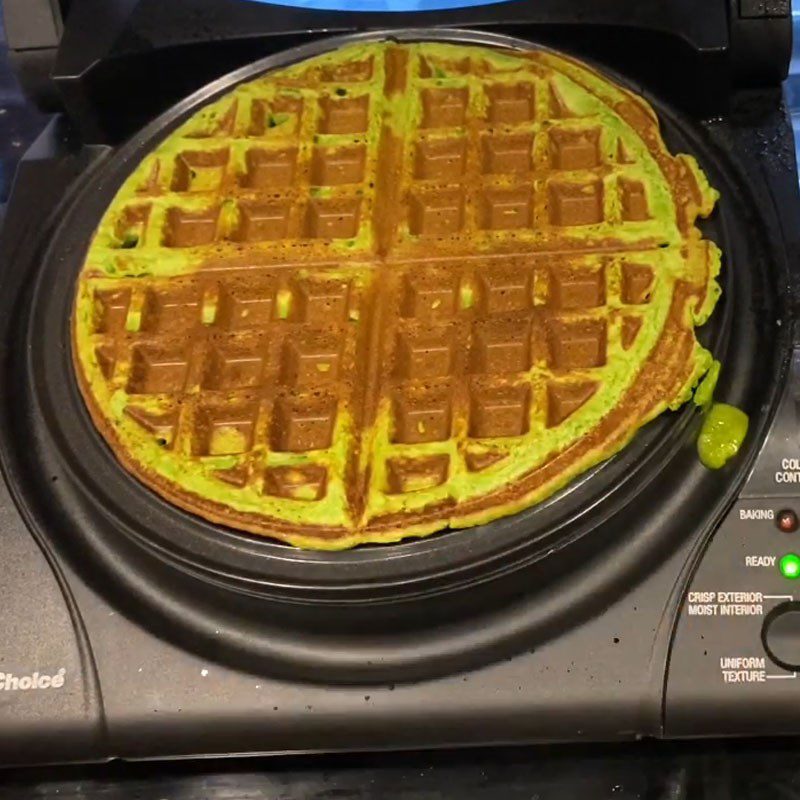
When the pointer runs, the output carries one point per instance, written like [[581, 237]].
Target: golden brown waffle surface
[[392, 289]]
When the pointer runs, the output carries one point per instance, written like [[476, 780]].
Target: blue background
[[380, 5]]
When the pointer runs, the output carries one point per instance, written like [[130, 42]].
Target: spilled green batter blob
[[722, 434], [724, 426]]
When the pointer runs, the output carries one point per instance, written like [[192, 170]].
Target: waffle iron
[[652, 598]]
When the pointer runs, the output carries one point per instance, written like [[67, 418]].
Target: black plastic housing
[[121, 62], [179, 638]]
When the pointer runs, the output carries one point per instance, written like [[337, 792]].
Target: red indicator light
[[787, 521]]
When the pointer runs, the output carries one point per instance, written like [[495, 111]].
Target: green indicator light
[[789, 565]]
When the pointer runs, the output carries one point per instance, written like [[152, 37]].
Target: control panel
[[735, 658]]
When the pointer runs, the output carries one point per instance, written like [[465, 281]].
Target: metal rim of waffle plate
[[208, 584]]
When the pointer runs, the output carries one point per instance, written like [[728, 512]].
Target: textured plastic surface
[[162, 601]]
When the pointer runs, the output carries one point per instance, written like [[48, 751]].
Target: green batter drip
[[724, 426], [704, 393], [722, 434]]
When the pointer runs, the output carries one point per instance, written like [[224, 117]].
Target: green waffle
[[393, 289]]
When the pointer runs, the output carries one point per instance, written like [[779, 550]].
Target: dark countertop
[[767, 770]]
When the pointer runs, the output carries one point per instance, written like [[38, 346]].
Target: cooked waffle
[[393, 289]]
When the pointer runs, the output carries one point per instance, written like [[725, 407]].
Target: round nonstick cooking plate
[[388, 612]]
